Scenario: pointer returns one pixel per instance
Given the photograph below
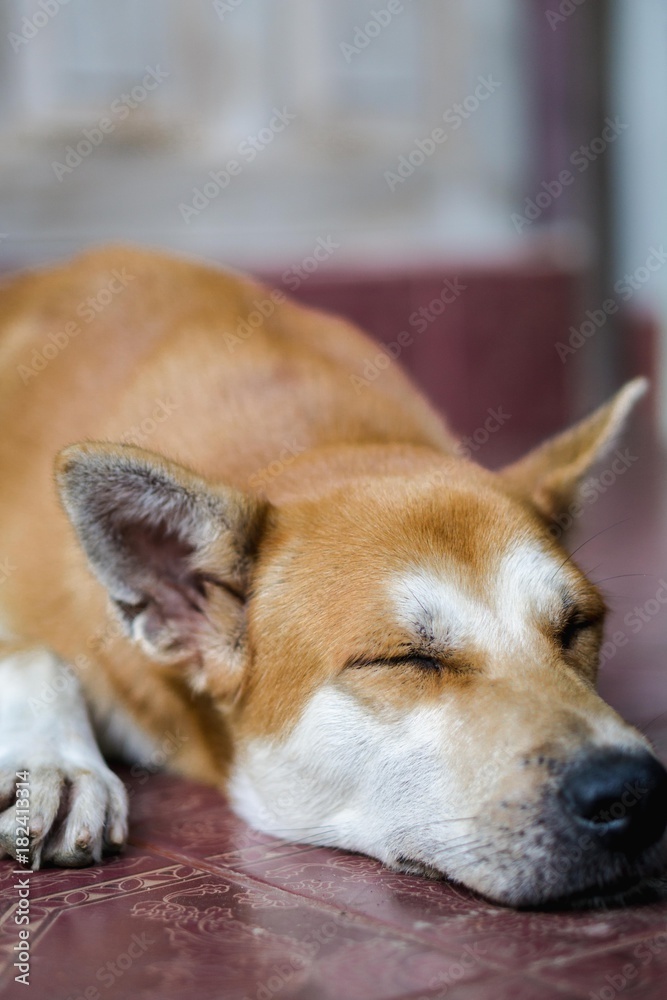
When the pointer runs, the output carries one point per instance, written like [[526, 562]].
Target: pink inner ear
[[170, 620], [159, 568], [156, 551]]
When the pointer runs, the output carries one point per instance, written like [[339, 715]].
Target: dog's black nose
[[619, 798]]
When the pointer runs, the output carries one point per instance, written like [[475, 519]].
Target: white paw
[[75, 811], [59, 802]]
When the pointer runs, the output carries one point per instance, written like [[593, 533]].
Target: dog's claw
[[96, 815], [36, 827], [117, 836], [83, 839]]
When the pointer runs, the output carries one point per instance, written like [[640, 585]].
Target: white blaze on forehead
[[455, 604]]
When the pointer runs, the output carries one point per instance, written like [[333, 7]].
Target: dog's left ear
[[174, 552], [551, 474]]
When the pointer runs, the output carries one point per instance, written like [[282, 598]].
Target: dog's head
[[406, 656]]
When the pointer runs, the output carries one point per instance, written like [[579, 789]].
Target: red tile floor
[[201, 906]]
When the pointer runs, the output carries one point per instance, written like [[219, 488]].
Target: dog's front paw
[[61, 813]]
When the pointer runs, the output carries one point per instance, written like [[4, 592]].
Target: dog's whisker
[[465, 843], [432, 827], [446, 856], [643, 728], [620, 576], [592, 537], [302, 829], [435, 823]]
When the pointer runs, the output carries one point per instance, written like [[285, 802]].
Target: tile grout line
[[562, 988], [596, 952], [536, 966], [354, 915]]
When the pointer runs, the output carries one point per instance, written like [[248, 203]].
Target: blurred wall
[[411, 141], [244, 128], [639, 90]]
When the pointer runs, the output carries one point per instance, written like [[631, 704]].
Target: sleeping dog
[[362, 637]]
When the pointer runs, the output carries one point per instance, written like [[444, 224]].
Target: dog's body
[[166, 344], [356, 633]]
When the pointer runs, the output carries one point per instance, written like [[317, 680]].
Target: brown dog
[[365, 639]]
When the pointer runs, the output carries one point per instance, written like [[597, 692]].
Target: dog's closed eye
[[420, 660], [427, 663], [571, 631], [574, 625]]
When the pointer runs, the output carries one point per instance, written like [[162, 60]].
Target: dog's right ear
[[550, 475], [174, 552]]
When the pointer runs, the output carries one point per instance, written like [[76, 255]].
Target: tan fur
[[163, 337], [304, 497]]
